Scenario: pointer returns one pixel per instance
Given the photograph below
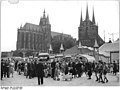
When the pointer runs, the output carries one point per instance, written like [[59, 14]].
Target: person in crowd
[[25, 69], [11, 67], [22, 66], [57, 71], [66, 68], [93, 66], [19, 67], [30, 69], [45, 70], [40, 72], [86, 67], [100, 69], [53, 64], [111, 68], [7, 68], [33, 72], [73, 70], [114, 68], [16, 62], [70, 66], [96, 70], [105, 69], [63, 66], [79, 68], [2, 68], [89, 70], [49, 70]]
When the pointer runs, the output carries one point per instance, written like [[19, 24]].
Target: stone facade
[[35, 37]]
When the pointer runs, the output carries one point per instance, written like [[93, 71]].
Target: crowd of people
[[57, 69]]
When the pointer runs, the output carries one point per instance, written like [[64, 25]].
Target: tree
[[68, 42]]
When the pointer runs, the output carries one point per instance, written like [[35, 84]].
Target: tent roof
[[104, 53], [75, 50], [41, 54], [109, 47]]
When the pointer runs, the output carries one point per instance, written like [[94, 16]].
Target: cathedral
[[37, 38], [88, 31], [33, 37]]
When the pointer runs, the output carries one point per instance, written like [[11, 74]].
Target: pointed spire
[[87, 14], [61, 47], [96, 44], [44, 14], [21, 26], [50, 49], [48, 19], [62, 36], [80, 45], [81, 18], [93, 18], [40, 20]]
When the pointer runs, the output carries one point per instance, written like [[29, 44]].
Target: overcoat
[[40, 70]]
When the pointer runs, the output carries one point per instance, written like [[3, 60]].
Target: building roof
[[110, 47], [57, 34], [32, 27]]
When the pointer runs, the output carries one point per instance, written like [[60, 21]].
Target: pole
[[104, 35]]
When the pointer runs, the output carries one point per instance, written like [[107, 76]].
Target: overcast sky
[[64, 17]]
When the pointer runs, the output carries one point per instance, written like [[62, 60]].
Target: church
[[33, 37], [88, 31], [37, 38]]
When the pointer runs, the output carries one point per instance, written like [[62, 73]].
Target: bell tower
[[46, 30]]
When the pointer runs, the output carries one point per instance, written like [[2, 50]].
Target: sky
[[64, 17]]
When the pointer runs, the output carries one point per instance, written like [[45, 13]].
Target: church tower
[[46, 30], [88, 30]]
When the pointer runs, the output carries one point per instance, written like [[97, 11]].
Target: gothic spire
[[44, 14], [61, 47], [50, 49], [81, 18], [87, 14], [93, 18], [80, 45], [96, 44], [48, 19], [21, 26]]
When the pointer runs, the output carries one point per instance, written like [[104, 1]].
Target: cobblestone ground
[[20, 80]]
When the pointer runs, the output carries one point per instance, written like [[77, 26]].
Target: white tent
[[109, 47], [59, 55], [42, 54], [110, 51], [52, 57], [87, 57]]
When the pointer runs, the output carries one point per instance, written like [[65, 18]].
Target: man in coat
[[79, 68], [114, 68], [2, 70], [40, 72], [53, 64], [89, 70]]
